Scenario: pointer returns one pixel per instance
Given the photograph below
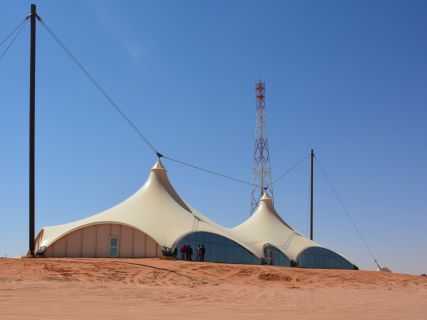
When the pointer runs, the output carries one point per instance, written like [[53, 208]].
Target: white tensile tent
[[265, 227], [155, 221]]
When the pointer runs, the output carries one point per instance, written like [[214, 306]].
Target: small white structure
[[156, 221]]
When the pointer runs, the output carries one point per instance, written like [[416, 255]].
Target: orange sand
[[163, 289]]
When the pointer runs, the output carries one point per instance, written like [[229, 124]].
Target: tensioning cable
[[296, 164], [132, 124], [209, 171], [347, 212], [17, 31], [13, 31], [98, 86], [125, 117]]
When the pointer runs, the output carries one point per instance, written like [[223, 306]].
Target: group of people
[[187, 252]]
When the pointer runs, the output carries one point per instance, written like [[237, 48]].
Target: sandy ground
[[162, 289]]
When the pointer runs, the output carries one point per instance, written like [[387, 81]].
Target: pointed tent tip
[[158, 166], [266, 207], [267, 201], [159, 176], [265, 196]]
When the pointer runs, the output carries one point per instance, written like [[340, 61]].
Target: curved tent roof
[[155, 209], [265, 226]]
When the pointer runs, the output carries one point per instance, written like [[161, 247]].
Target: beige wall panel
[[59, 248], [139, 245], [151, 248], [103, 241], [74, 244], [49, 252], [159, 251], [94, 241], [126, 242], [89, 242], [115, 230]]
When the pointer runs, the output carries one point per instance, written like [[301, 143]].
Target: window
[[216, 249], [114, 247], [318, 257], [275, 257]]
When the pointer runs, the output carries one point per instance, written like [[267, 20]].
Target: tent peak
[[266, 208], [158, 166], [159, 179], [265, 196], [267, 201]]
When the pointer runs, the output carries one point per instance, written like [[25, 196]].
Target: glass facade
[[217, 249], [114, 247], [316, 257], [275, 257]]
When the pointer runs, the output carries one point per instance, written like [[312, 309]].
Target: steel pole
[[311, 193], [33, 18]]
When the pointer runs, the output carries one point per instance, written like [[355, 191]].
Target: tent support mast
[[33, 18], [311, 193]]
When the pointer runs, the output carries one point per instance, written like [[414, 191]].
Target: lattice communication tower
[[261, 172]]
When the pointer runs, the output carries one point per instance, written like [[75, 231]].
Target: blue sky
[[347, 78]]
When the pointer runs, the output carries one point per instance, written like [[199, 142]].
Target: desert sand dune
[[161, 289]]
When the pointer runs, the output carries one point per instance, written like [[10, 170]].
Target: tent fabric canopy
[[157, 210], [265, 226]]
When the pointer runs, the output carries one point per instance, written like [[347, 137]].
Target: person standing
[[190, 252], [187, 253], [198, 253], [183, 252], [202, 253]]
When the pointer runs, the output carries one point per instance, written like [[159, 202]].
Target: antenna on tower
[[261, 172]]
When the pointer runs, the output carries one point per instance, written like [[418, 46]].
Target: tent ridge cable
[[21, 25], [296, 164], [347, 212], [134, 127], [125, 117], [13, 31], [208, 171], [99, 87]]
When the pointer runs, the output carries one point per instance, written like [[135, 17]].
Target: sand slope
[[160, 289]]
